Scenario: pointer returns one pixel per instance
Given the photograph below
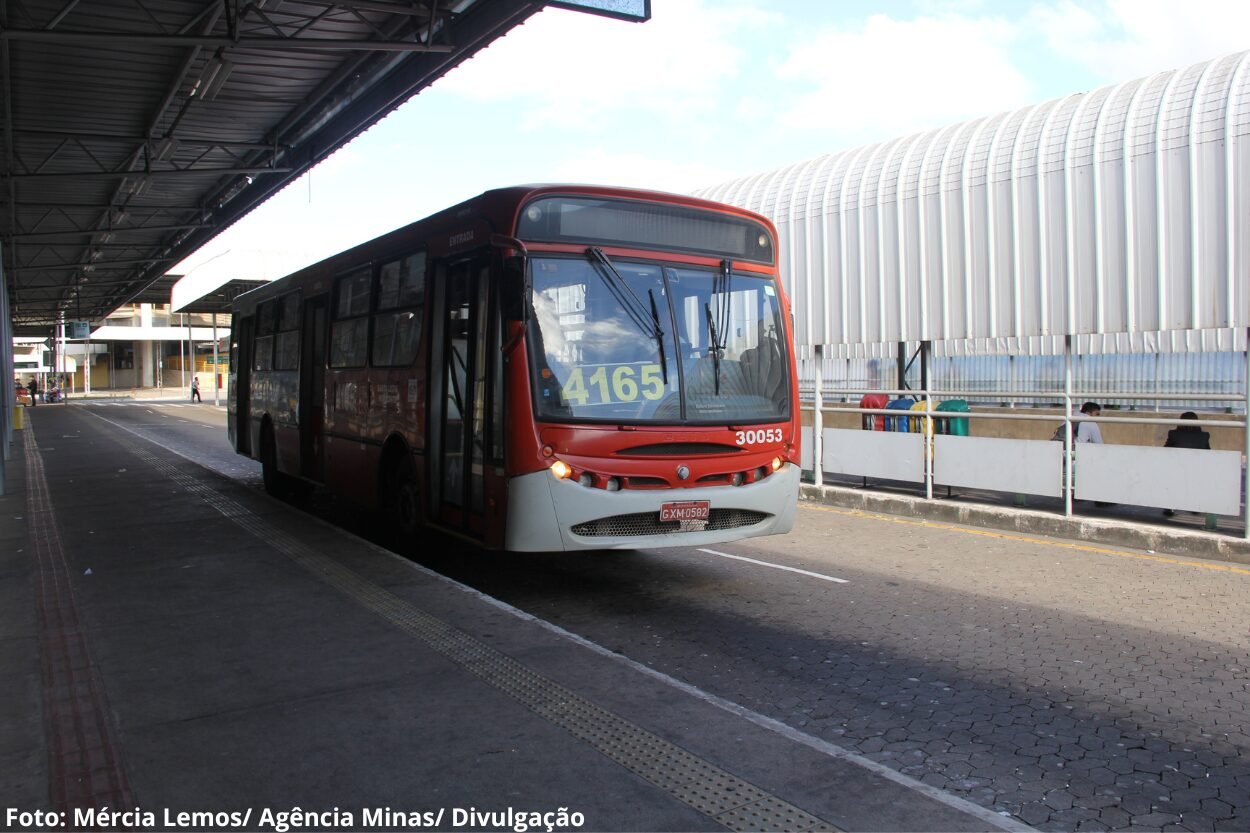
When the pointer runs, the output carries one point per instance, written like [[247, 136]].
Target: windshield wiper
[[714, 347], [630, 302], [659, 336], [718, 326], [724, 299]]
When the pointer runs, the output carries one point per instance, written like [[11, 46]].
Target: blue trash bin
[[899, 423]]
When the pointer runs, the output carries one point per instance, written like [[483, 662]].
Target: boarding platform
[[187, 652]]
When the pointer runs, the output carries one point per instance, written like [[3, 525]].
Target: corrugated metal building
[[1124, 211], [1097, 245]]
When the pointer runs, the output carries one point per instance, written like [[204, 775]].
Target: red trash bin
[[873, 422]]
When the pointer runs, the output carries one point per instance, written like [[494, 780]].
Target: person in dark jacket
[[1186, 436]]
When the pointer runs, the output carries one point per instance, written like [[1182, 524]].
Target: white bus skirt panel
[[542, 512]]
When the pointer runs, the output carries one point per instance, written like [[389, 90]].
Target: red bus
[[537, 369]]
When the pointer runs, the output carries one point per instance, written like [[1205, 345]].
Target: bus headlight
[[561, 470], [613, 484], [737, 478], [587, 479]]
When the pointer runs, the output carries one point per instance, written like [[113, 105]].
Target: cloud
[[1125, 39], [637, 170], [574, 69], [885, 77]]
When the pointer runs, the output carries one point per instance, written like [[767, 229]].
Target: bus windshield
[[631, 341]]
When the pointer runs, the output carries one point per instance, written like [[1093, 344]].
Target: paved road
[[1073, 687]]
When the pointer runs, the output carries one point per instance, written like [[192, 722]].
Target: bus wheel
[[275, 481], [405, 506]]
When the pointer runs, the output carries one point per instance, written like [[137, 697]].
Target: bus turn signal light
[[561, 470], [776, 463]]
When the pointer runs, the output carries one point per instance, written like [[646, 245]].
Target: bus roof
[[499, 207]]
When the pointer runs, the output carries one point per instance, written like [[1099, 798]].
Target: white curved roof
[[1121, 210]]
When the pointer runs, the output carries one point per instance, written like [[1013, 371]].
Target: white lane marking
[[776, 566]]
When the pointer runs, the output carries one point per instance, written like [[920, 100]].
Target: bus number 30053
[[764, 435]]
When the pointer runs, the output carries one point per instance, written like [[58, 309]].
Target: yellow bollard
[[19, 417]]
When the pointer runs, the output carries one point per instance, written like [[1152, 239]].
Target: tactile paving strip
[[726, 798], [84, 769]]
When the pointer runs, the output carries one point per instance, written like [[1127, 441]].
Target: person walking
[[195, 389]]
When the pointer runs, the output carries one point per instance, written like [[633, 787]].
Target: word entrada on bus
[[537, 369]]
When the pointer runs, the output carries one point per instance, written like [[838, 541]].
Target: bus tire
[[269, 462], [404, 504], [277, 484]]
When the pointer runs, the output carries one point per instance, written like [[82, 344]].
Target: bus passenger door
[[312, 386], [241, 339], [459, 400]]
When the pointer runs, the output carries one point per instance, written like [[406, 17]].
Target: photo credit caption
[[298, 819]]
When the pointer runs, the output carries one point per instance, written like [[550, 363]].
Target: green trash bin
[[955, 426]]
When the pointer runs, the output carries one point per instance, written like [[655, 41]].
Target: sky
[[705, 92]]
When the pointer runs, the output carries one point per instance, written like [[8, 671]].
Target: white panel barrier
[[886, 454], [1021, 466], [806, 454], [1170, 478]]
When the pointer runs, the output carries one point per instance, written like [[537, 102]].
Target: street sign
[[78, 329]]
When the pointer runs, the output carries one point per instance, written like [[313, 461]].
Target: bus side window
[[349, 332], [286, 345], [401, 303], [262, 352]]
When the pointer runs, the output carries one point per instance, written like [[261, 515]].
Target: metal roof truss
[[136, 130]]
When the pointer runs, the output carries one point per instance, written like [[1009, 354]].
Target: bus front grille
[[649, 523]]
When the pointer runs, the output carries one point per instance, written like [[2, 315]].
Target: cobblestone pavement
[[1074, 688]]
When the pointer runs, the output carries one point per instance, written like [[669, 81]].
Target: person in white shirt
[[1089, 432]]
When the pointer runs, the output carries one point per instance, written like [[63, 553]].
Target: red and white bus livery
[[540, 368]]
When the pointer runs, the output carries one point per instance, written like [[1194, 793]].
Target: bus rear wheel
[[277, 484], [269, 464], [404, 505]]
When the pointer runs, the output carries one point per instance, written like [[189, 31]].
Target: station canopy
[[134, 131]]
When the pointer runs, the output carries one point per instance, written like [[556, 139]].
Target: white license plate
[[688, 510]]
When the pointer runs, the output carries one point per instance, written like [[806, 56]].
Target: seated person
[[1188, 436], [1089, 432]]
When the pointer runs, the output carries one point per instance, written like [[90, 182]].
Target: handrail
[[1083, 395], [1170, 420]]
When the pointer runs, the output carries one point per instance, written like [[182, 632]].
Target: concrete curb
[[1195, 543]]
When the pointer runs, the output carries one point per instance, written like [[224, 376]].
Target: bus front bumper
[[550, 515]]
